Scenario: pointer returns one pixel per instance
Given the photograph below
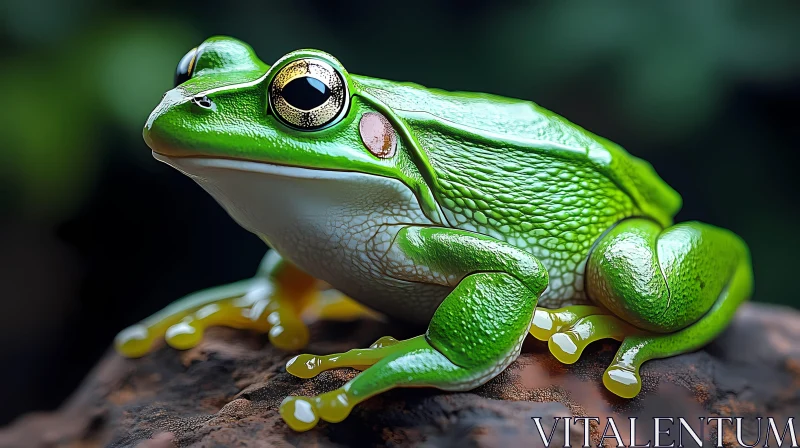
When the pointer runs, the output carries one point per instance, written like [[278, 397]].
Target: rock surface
[[225, 393]]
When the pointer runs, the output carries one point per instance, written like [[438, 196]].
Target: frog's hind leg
[[682, 285], [622, 376], [270, 302]]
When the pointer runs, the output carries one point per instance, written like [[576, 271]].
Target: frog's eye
[[308, 94], [185, 67]]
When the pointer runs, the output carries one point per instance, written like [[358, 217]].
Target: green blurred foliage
[[61, 94]]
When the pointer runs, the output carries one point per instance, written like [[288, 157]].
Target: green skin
[[488, 207]]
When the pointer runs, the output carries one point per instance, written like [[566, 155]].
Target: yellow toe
[[289, 337], [564, 348], [333, 406], [542, 326], [304, 366], [134, 341], [183, 335], [299, 413], [623, 382]]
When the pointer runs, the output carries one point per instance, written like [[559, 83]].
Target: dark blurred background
[[95, 234]]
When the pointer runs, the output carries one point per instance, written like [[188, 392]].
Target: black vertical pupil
[[182, 73], [306, 93]]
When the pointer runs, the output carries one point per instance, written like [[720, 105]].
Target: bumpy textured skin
[[495, 205], [481, 193], [519, 173]]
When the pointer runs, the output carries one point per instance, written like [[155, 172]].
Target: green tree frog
[[484, 217]]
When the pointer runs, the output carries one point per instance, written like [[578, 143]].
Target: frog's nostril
[[204, 102]]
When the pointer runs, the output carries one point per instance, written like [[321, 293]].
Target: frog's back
[[515, 171]]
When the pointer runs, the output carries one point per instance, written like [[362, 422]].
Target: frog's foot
[[639, 346], [681, 284], [547, 322], [568, 331], [309, 366], [568, 343], [409, 363], [249, 304]]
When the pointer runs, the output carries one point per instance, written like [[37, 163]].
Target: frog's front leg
[[667, 292], [474, 334], [269, 302]]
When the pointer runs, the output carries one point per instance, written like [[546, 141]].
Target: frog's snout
[[168, 116]]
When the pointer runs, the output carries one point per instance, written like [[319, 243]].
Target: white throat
[[336, 225]]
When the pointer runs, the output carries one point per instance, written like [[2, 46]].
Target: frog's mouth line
[[190, 165]]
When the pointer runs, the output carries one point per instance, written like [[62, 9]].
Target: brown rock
[[225, 392]]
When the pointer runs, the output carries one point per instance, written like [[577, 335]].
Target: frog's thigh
[[681, 284], [461, 350], [269, 302]]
